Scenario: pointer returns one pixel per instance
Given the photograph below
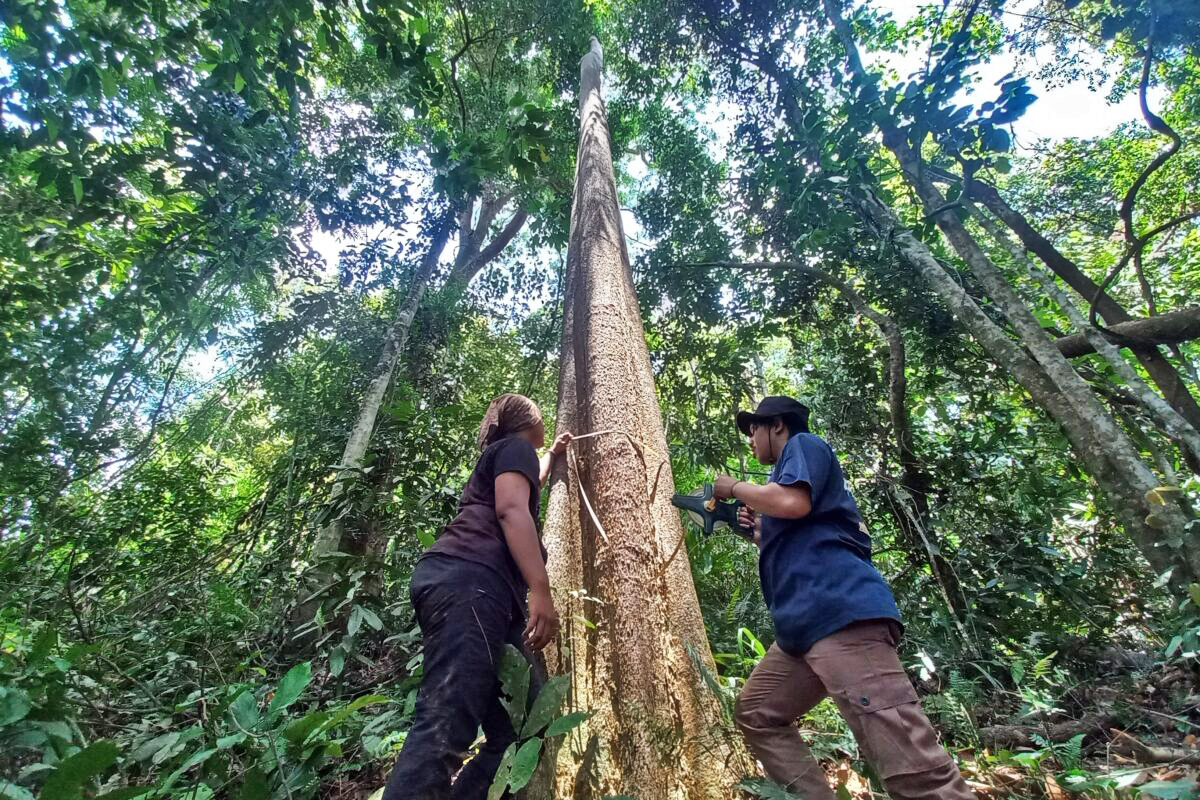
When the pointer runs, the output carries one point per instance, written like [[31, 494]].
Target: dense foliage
[[218, 217]]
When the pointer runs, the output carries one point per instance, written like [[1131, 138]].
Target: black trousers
[[467, 614]]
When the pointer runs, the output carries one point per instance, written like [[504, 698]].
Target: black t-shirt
[[475, 533]]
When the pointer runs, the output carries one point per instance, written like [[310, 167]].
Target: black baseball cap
[[793, 412]]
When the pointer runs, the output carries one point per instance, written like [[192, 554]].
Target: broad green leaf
[[372, 618], [524, 763], [255, 786], [153, 746], [344, 713], [337, 661], [514, 681], [11, 791], [298, 730], [244, 710], [1194, 593], [291, 687], [14, 705], [1170, 790], [500, 782], [45, 642], [547, 705], [177, 746], [77, 188], [72, 772], [568, 723], [193, 760]]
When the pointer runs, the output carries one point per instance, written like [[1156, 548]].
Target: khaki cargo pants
[[857, 667]]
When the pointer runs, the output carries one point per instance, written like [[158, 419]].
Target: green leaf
[[77, 188], [337, 661], [514, 680], [524, 763], [568, 723], [500, 782], [1194, 593], [299, 729], [14, 705], [108, 82], [233, 740], [10, 791], [255, 786], [69, 776], [291, 687], [345, 712], [1170, 790], [547, 705], [372, 618], [193, 760], [152, 747], [239, 82], [244, 710], [46, 641]]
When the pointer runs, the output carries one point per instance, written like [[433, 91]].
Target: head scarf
[[506, 415]]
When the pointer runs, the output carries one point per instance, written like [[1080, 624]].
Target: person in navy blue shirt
[[836, 622]]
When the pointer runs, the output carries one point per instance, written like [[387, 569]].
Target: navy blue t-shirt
[[816, 571]]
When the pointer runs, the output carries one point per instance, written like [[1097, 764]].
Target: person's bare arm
[[520, 533], [772, 499], [546, 461]]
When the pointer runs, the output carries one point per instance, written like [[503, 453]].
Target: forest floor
[[1121, 736]]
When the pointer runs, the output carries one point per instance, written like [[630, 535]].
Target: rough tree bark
[[615, 542], [1159, 531]]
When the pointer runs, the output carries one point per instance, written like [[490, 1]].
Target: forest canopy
[[264, 265]]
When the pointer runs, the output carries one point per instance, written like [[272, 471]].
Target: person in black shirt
[[469, 594]]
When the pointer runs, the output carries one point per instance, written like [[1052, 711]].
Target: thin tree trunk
[[1162, 413], [614, 539], [329, 538], [1130, 503], [1160, 370], [1111, 456]]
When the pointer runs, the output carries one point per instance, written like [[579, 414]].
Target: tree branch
[[1170, 328], [1134, 243], [462, 274]]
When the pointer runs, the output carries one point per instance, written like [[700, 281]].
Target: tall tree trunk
[[615, 542]]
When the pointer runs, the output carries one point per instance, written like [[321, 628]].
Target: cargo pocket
[[893, 731]]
